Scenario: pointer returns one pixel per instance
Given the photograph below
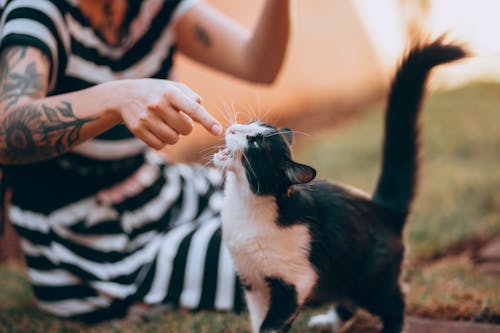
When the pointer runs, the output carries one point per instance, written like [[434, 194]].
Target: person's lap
[[153, 238]]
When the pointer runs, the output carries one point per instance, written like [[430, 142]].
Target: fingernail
[[216, 129]]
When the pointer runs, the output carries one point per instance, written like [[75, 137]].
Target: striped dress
[[109, 224]]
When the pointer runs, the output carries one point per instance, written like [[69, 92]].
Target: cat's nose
[[231, 131]]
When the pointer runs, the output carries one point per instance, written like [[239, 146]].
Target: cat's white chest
[[260, 247]]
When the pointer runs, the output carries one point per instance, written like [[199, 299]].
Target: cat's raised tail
[[397, 182]]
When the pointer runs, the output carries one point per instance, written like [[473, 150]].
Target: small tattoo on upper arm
[[14, 55], [17, 85], [17, 81], [202, 35]]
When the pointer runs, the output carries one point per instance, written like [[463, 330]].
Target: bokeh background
[[332, 89], [341, 57]]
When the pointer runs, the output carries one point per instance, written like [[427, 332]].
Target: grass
[[459, 190], [18, 314], [458, 203], [453, 289]]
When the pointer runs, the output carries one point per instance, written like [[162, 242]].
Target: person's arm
[[211, 38], [34, 127]]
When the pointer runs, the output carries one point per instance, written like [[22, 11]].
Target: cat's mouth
[[224, 153], [224, 158]]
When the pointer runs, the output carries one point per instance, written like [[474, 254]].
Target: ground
[[455, 219]]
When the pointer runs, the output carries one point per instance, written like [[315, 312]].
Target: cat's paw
[[328, 322]]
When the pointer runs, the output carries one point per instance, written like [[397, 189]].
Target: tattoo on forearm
[[202, 35], [35, 132], [16, 84]]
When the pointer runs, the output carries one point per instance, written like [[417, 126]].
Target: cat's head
[[262, 154]]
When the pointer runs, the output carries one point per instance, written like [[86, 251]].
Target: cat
[[296, 240]]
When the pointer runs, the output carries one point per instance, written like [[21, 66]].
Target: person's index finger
[[188, 92], [197, 112]]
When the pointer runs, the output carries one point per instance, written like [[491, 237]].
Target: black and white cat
[[296, 240]]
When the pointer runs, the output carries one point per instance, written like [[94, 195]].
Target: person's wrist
[[112, 99]]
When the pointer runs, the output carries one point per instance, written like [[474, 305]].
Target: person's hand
[[159, 111]]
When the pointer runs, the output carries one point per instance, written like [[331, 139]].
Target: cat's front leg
[[283, 306], [257, 303]]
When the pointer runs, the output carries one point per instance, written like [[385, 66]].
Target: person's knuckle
[[167, 94], [143, 119], [184, 129], [157, 145], [173, 138], [135, 127], [154, 105], [196, 108], [187, 129]]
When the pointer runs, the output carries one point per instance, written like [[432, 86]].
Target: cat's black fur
[[356, 245]]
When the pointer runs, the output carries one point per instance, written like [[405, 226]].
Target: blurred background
[[332, 87], [341, 57]]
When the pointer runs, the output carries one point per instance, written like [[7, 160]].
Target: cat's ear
[[287, 134], [299, 173]]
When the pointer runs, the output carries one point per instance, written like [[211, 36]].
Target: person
[[85, 102]]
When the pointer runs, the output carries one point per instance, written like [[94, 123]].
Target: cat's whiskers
[[208, 153], [249, 165], [250, 110], [216, 147], [229, 114], [290, 131], [259, 106], [265, 116], [262, 115], [223, 112], [233, 108]]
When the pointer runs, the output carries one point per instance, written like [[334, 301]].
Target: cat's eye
[[252, 141]]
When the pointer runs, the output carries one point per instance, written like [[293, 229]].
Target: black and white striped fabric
[[80, 58], [152, 238], [109, 225]]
